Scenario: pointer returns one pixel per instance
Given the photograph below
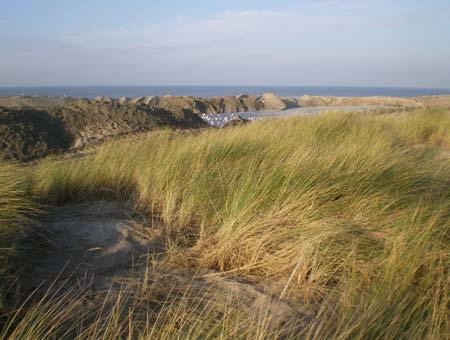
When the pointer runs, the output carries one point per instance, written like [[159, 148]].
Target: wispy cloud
[[244, 30], [97, 36], [325, 42], [345, 5]]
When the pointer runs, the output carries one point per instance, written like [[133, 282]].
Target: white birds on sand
[[219, 119]]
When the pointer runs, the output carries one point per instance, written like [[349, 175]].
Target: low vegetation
[[346, 214], [32, 133], [16, 208]]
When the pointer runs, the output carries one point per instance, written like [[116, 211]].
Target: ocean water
[[213, 91]]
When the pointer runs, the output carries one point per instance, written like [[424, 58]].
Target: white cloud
[[253, 30], [344, 5]]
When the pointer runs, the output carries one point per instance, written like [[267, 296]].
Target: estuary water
[[224, 118]]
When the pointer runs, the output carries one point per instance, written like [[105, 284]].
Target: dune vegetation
[[16, 209], [346, 215]]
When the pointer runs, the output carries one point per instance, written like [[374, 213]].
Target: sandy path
[[96, 244], [91, 240]]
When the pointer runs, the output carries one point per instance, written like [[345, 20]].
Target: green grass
[[16, 207], [348, 213]]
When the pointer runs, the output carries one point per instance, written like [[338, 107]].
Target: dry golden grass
[[16, 207], [343, 211]]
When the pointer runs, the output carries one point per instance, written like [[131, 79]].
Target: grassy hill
[[344, 214]]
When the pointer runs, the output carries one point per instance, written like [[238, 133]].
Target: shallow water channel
[[223, 118]]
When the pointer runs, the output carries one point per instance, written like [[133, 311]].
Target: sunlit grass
[[347, 213]]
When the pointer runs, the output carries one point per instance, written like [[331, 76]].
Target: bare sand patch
[[93, 239], [98, 243]]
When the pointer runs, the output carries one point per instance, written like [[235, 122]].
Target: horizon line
[[209, 85]]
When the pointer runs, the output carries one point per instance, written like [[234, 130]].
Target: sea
[[215, 91]]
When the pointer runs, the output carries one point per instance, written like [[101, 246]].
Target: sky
[[225, 42]]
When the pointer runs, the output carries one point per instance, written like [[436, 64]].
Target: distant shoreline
[[216, 91]]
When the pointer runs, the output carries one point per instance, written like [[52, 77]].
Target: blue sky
[[225, 42]]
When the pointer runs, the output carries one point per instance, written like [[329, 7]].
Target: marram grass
[[348, 213], [16, 208]]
